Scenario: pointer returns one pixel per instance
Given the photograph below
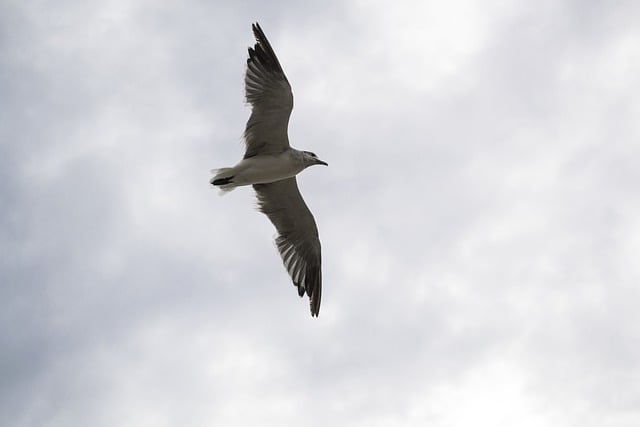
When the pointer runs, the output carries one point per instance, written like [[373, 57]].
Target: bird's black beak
[[320, 162]]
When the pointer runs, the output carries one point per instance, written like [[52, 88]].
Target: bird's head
[[311, 159]]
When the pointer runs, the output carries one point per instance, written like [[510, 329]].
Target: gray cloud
[[479, 218]]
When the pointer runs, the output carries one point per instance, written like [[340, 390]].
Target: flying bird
[[270, 165]]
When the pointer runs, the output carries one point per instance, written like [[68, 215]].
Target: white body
[[263, 169], [268, 168]]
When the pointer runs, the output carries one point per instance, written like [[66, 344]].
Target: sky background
[[480, 217]]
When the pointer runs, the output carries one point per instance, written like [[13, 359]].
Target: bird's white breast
[[268, 168]]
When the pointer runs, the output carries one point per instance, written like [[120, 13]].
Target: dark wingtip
[[315, 306], [316, 292], [314, 297], [314, 310], [262, 51], [257, 30]]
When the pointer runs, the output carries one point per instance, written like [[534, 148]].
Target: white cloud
[[478, 219]]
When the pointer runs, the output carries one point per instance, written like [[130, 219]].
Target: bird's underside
[[269, 157]]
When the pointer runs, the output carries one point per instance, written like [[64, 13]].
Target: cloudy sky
[[480, 217]]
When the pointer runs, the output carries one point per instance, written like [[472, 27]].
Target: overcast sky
[[480, 217]]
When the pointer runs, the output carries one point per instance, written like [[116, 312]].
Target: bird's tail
[[223, 179]]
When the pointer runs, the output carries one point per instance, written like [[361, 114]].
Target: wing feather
[[297, 239], [269, 93]]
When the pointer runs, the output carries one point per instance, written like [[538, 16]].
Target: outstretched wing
[[297, 239], [269, 94]]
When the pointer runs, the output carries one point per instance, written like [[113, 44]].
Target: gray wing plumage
[[269, 94], [297, 239]]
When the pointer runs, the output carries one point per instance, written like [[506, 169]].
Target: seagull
[[270, 165]]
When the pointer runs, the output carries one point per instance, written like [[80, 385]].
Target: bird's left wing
[[297, 239], [269, 93]]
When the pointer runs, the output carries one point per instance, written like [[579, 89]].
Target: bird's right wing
[[269, 94], [297, 239]]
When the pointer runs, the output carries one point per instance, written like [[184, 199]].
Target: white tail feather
[[221, 174]]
